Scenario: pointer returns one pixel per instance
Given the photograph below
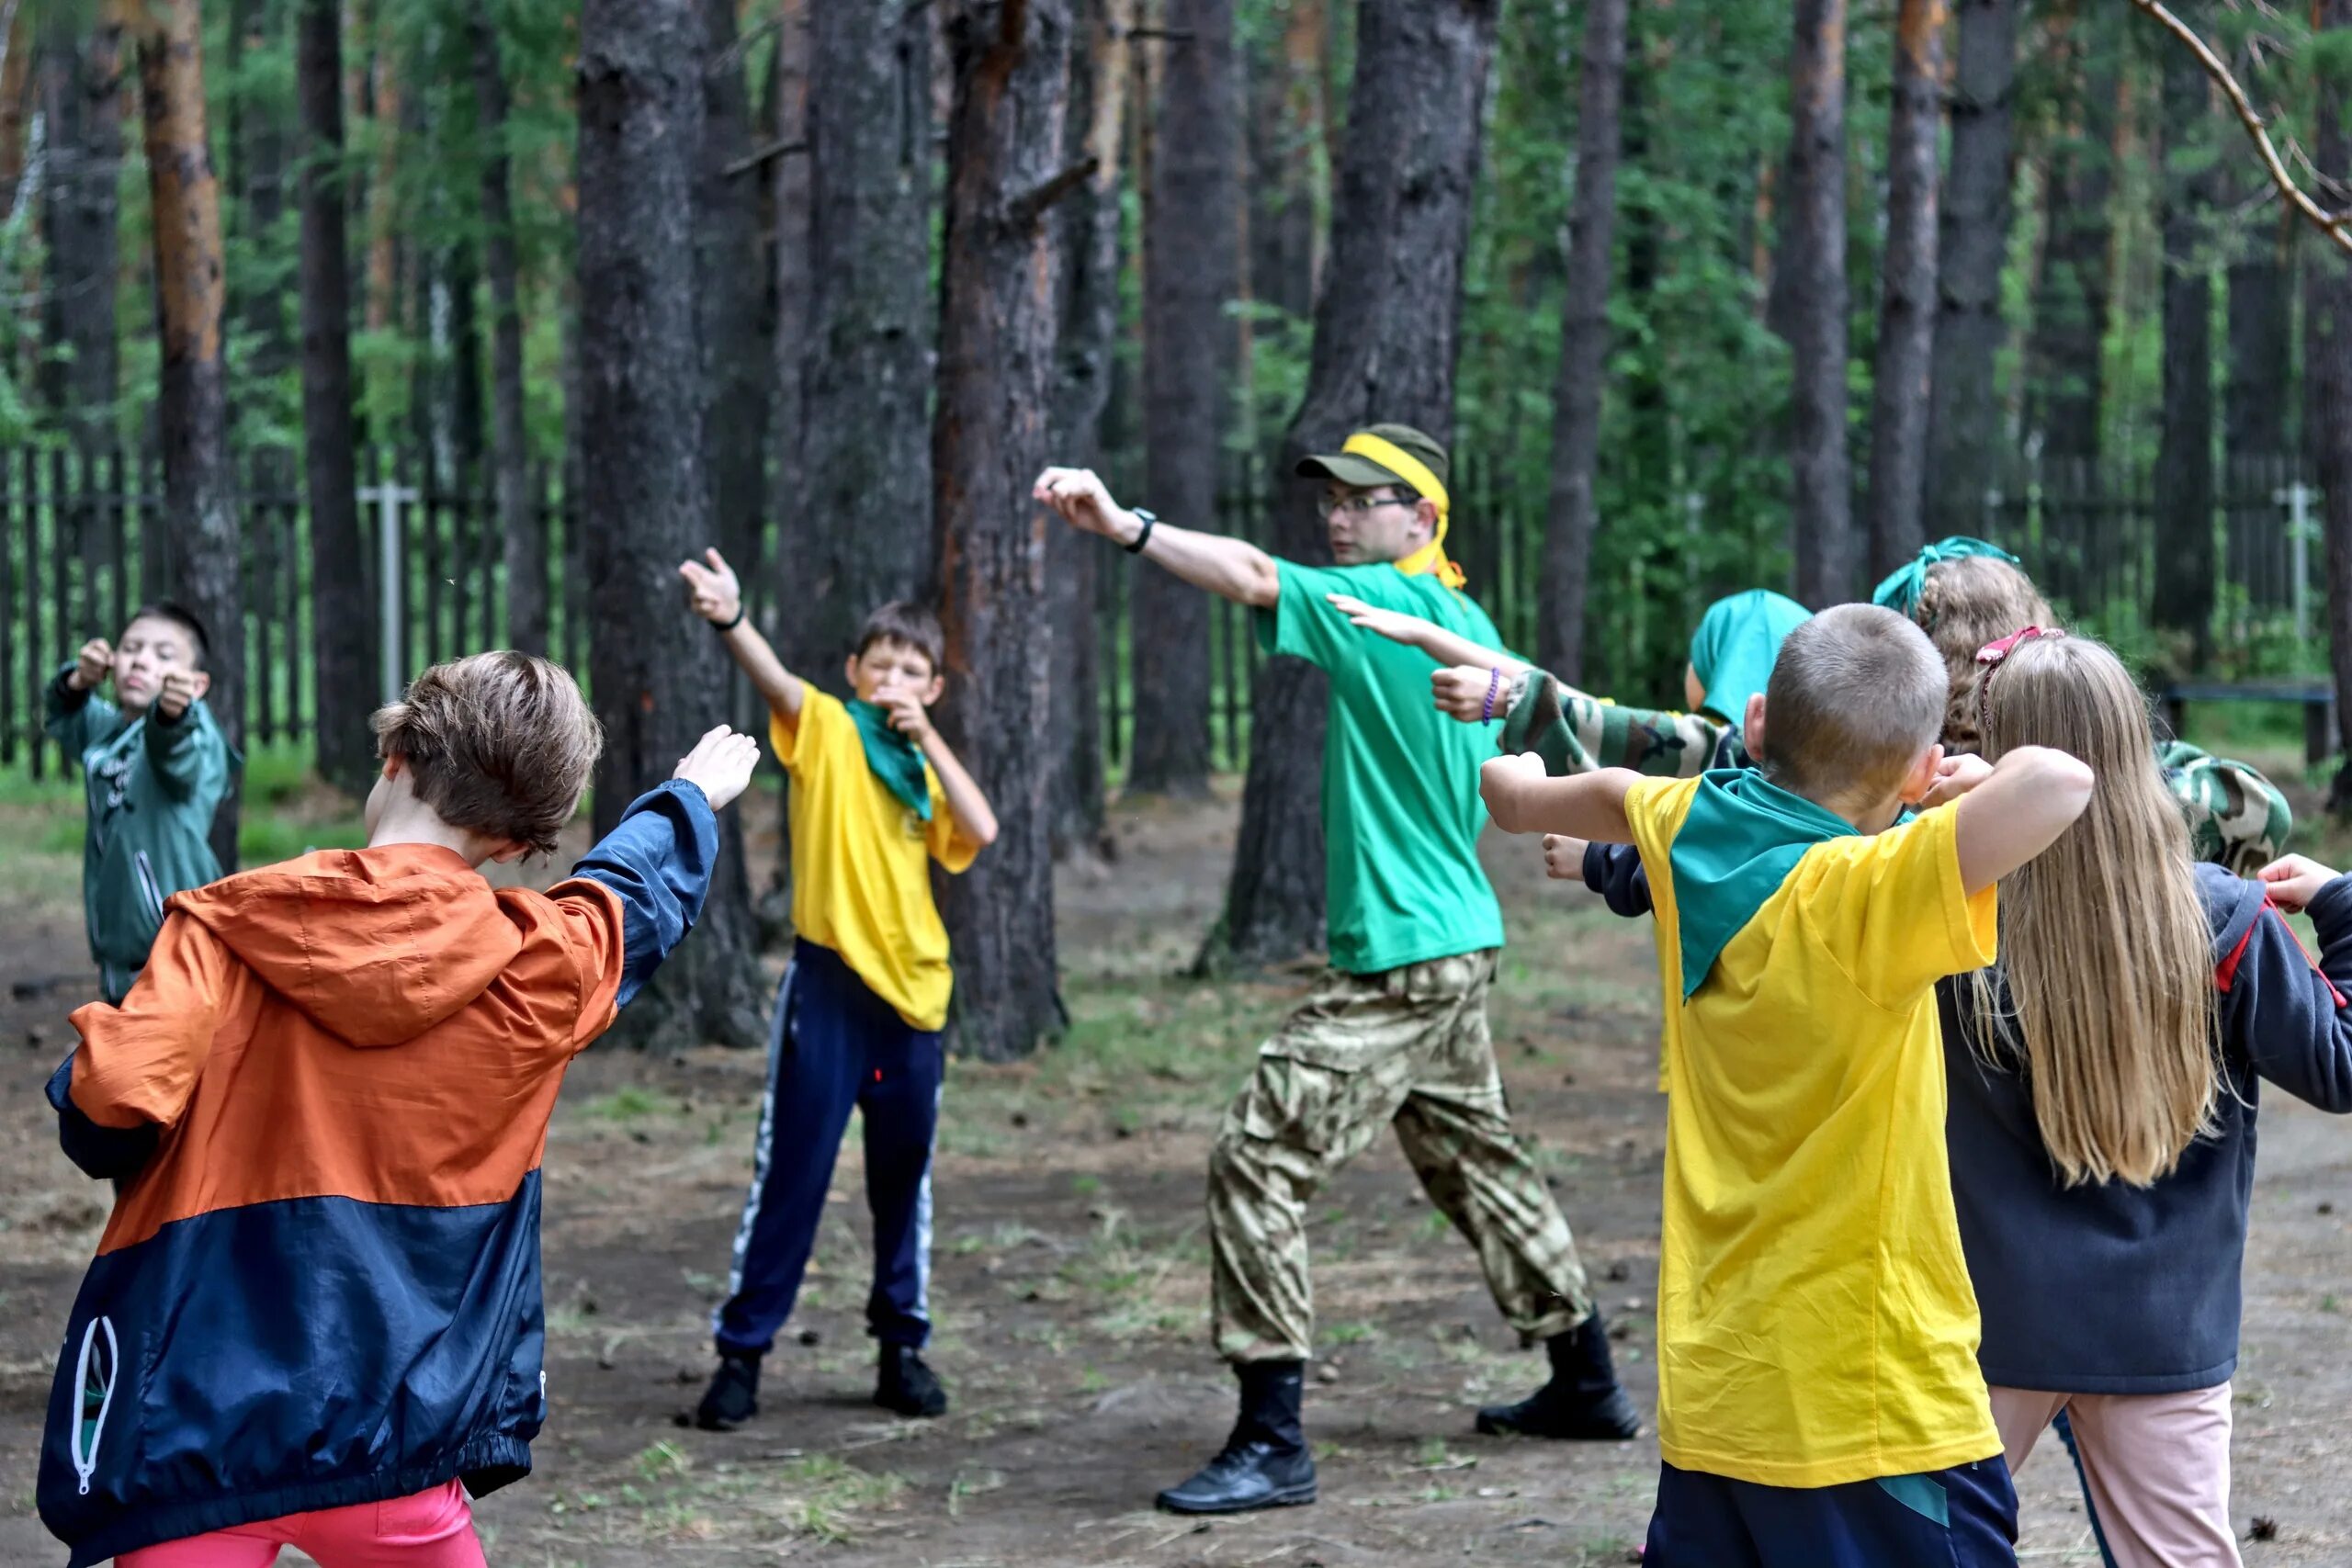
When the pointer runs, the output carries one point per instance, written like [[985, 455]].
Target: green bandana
[[896, 760], [1737, 641], [1742, 838], [1900, 592]]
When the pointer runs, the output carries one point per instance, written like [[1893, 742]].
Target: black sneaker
[[908, 1387], [1582, 1403], [1265, 1462], [733, 1396]]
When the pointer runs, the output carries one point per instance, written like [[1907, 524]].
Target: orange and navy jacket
[[324, 1105]]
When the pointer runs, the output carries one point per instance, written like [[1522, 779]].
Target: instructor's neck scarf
[[1742, 838], [896, 760]]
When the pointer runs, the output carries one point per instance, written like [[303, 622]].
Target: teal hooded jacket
[[152, 789]]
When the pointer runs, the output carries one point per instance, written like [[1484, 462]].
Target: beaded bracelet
[[1494, 683]]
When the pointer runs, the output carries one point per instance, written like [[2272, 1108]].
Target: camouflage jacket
[[2237, 817]]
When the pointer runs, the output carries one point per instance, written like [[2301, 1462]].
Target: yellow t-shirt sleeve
[[1892, 911], [800, 744], [944, 837]]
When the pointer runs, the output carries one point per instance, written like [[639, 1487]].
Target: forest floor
[[1071, 1277]]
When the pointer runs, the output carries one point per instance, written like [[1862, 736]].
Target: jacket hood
[[376, 946], [2232, 903]]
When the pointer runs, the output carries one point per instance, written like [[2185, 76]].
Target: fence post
[[2297, 497]]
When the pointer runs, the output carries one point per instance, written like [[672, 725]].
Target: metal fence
[[82, 542]]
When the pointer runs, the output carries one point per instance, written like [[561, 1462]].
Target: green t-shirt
[[1401, 813]]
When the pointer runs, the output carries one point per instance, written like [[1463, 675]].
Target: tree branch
[[1027, 210], [2336, 226], [752, 160]]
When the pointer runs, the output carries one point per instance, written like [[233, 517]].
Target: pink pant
[[431, 1529], [2157, 1466]]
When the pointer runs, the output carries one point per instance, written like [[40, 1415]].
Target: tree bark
[[520, 530], [1287, 116], [1906, 332], [659, 679], [798, 530], [1190, 270], [1086, 351], [1813, 273], [1387, 332], [1964, 409], [2185, 562], [1011, 67], [257, 153], [2328, 351], [81, 98], [733, 295], [866, 383], [344, 628], [2070, 307], [1584, 343], [203, 566]]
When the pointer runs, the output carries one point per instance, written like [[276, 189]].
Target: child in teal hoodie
[[155, 766]]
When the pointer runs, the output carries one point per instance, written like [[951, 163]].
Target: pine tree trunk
[[1813, 268], [1964, 410], [344, 617], [464, 402], [1085, 351], [81, 98], [1010, 66], [202, 568], [1286, 129], [1387, 331], [658, 677], [2184, 560], [2069, 308], [732, 290], [796, 529], [1190, 270], [1906, 332], [1584, 344], [2327, 355], [521, 529], [258, 152], [867, 382]]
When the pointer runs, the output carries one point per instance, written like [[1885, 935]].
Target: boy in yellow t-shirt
[[877, 796], [1819, 1402]]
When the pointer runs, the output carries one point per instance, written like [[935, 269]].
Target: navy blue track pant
[[837, 1046], [1962, 1517]]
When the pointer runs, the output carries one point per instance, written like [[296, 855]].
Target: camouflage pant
[[1409, 1048]]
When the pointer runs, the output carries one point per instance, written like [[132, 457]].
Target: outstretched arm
[[2031, 795], [718, 597], [1231, 568], [1523, 799], [1413, 631]]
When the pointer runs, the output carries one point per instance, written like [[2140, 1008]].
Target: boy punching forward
[[876, 795], [1394, 1032], [155, 766]]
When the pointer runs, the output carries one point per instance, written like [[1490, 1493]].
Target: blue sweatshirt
[[2112, 1289]]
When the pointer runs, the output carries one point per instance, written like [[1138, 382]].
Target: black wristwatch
[[1143, 538]]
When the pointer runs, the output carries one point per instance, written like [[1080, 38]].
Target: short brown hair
[[1857, 696], [499, 744], [903, 621], [1963, 605]]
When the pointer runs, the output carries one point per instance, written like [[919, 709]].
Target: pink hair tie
[[1991, 657]]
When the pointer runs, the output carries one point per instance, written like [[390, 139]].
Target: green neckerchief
[[896, 760], [1732, 651], [1901, 589], [1742, 838]]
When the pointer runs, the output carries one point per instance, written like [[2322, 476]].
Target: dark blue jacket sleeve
[[2293, 1016], [659, 858], [100, 1151], [1614, 870]]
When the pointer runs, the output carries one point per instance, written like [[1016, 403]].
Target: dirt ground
[[1071, 1281]]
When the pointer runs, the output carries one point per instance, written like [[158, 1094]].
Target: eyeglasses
[[1359, 506]]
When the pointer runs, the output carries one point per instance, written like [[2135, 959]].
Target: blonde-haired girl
[[2104, 1081]]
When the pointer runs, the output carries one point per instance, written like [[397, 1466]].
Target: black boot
[[1264, 1464], [733, 1396], [1581, 1401], [906, 1386]]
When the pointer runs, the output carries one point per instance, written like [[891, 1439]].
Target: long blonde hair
[[2104, 943]]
